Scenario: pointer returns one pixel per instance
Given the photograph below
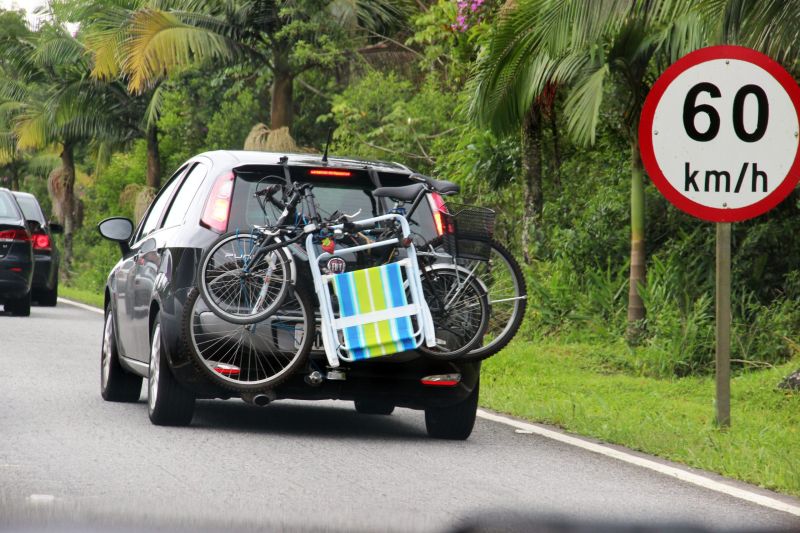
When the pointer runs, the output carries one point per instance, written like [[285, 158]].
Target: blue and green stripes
[[367, 291]]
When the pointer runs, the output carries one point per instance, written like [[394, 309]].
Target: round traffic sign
[[719, 132]]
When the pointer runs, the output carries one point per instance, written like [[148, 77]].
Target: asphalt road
[[69, 460]]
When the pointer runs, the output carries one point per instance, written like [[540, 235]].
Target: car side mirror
[[33, 225], [55, 228], [117, 229]]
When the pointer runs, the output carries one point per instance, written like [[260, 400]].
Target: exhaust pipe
[[259, 399], [315, 378]]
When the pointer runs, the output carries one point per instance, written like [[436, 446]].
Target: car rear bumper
[[14, 284]]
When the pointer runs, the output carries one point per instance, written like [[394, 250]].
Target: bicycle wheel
[[238, 287], [250, 357], [459, 308], [507, 295]]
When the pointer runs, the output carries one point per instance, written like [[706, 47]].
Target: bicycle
[[471, 247]]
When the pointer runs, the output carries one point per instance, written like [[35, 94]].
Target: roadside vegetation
[[531, 105]]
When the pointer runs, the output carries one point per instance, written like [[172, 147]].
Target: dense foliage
[[403, 81]]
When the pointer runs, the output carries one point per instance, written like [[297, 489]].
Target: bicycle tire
[[471, 308], [229, 299], [248, 347], [498, 295]]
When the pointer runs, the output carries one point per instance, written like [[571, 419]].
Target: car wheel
[[454, 422], [116, 384], [168, 403], [374, 407], [48, 297], [20, 306]]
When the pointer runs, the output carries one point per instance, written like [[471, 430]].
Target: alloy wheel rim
[[155, 368]]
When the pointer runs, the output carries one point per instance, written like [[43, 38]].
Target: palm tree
[[287, 37], [106, 31], [49, 99], [582, 46]]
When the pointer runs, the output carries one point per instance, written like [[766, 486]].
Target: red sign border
[[714, 214]]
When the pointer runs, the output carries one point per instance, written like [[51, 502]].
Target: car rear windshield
[[8, 208], [346, 194], [30, 208]]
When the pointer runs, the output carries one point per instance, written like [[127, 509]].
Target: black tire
[[461, 331], [116, 383], [19, 306], [48, 297], [205, 349], [374, 407], [168, 403], [221, 261], [511, 324], [454, 422]]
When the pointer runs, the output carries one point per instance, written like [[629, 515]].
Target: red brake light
[[227, 370], [41, 241], [218, 205], [441, 380], [330, 172], [439, 214], [14, 235]]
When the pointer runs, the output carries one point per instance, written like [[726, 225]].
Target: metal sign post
[[719, 138], [723, 311]]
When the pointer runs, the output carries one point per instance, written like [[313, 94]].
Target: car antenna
[[327, 145]]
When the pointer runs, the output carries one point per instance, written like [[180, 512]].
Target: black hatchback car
[[16, 257], [149, 290], [44, 287]]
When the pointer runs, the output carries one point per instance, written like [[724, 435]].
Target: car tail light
[[227, 370], [330, 172], [441, 380], [16, 235], [41, 242], [218, 205], [440, 218]]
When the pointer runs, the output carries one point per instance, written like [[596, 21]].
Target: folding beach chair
[[381, 310]]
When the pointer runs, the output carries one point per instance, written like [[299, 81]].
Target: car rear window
[[8, 208], [344, 194], [30, 208]]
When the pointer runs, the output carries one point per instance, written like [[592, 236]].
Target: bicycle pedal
[[336, 375]]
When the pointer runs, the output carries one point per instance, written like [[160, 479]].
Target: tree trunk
[[282, 93], [532, 175], [636, 310], [153, 159], [556, 149], [68, 204]]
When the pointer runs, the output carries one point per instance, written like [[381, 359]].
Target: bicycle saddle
[[408, 193]]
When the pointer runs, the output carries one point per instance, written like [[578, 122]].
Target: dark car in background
[[150, 289], [16, 257], [44, 287]]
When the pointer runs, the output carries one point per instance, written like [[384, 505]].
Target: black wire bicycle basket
[[469, 231]]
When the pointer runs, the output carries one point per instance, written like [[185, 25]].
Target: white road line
[[683, 475], [41, 498], [82, 306]]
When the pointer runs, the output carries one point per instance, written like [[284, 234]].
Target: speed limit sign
[[719, 133]]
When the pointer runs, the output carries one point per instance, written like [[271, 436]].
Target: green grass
[[80, 295], [671, 418]]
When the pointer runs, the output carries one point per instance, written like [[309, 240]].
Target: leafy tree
[[49, 99], [583, 46], [286, 37]]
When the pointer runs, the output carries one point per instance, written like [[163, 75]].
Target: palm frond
[[160, 42], [582, 107]]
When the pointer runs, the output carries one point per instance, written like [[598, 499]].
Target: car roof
[[236, 158], [21, 193]]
